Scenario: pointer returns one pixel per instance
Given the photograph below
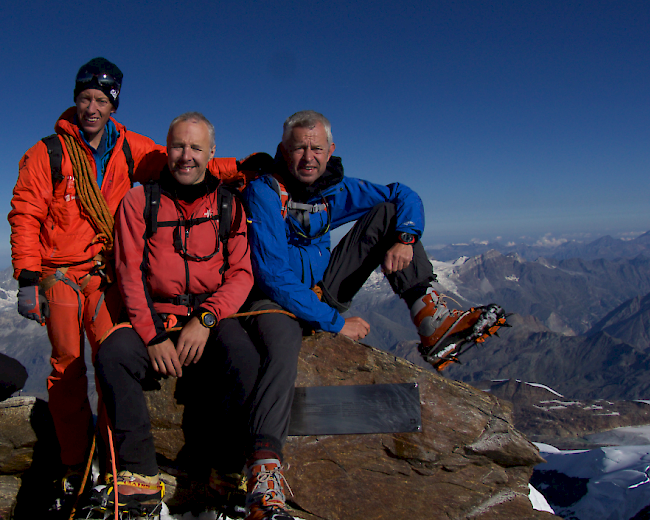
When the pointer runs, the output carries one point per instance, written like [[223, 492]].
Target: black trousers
[[214, 391]]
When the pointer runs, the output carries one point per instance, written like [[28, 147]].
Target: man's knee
[[381, 217], [119, 348], [384, 208], [281, 334]]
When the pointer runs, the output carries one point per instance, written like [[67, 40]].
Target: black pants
[[215, 392], [358, 254], [12, 376]]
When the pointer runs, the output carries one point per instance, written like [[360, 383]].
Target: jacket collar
[[177, 191], [66, 125]]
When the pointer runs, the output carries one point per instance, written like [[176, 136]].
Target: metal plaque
[[329, 410]]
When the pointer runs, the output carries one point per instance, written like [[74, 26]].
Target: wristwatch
[[208, 320], [407, 238]]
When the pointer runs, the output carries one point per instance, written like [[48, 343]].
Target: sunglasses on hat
[[104, 79]]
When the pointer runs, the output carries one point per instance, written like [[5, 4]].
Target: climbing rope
[[171, 321], [89, 194]]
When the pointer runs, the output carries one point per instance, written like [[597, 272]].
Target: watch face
[[407, 238], [208, 319]]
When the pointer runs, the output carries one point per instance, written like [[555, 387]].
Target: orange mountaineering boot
[[445, 334], [265, 499]]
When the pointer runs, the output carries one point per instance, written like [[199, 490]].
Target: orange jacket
[[48, 225]]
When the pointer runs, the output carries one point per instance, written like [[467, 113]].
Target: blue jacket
[[285, 264]]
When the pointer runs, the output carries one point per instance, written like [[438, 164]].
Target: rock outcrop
[[467, 462], [28, 456]]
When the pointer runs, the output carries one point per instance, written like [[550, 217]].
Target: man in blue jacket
[[291, 213]]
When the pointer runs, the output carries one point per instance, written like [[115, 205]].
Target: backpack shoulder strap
[[298, 210], [227, 200], [151, 206], [278, 186], [126, 149], [55, 151]]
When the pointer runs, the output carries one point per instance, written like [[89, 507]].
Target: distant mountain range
[[568, 296], [610, 361], [629, 322], [582, 326], [606, 248], [596, 366]]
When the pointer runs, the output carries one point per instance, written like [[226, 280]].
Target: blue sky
[[509, 118]]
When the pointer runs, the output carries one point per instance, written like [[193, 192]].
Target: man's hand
[[191, 341], [355, 328], [32, 304], [164, 359], [397, 258]]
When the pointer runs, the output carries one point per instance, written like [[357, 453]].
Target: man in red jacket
[[174, 265], [68, 190]]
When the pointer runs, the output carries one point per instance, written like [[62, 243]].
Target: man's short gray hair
[[306, 119], [195, 117]]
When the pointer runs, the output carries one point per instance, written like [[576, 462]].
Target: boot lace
[[269, 483]]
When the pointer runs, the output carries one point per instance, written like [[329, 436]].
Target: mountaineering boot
[[67, 491], [137, 494], [265, 499], [444, 333], [229, 489]]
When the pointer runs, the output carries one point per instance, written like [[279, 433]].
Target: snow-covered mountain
[[610, 483]]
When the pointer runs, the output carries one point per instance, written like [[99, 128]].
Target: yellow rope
[[89, 194]]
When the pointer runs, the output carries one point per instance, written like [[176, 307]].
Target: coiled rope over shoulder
[[90, 196]]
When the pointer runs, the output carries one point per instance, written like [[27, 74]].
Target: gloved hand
[[33, 305]]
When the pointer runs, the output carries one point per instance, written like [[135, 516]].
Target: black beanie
[[95, 68]]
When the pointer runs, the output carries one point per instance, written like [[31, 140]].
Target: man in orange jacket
[[68, 191]]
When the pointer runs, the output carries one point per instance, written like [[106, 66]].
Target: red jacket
[[152, 271], [48, 225]]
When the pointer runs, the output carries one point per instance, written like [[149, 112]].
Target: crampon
[[229, 494], [100, 505], [92, 511], [459, 332]]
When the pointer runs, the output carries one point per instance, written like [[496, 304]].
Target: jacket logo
[[208, 213]]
